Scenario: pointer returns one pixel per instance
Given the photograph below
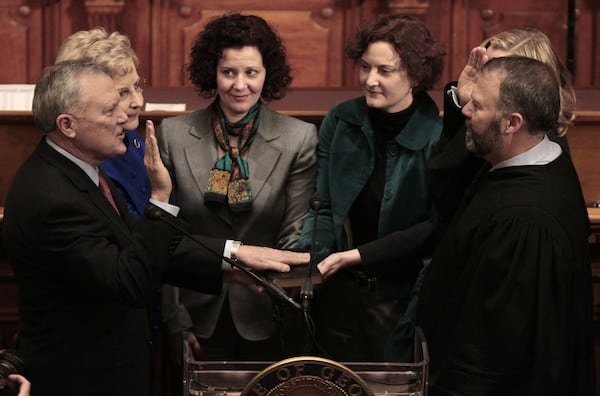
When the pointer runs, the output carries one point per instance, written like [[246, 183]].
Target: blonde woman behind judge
[[534, 44]]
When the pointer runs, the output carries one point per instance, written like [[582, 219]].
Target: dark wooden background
[[314, 31]]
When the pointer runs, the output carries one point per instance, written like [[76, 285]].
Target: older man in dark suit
[[86, 269]]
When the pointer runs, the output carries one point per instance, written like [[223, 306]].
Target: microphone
[[155, 213], [306, 291], [317, 202]]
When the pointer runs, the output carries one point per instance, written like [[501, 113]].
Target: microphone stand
[[156, 213], [306, 290]]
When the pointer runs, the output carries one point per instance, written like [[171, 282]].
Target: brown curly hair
[[421, 55], [234, 30]]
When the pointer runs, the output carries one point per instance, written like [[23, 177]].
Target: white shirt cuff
[[227, 253], [167, 207], [452, 92]]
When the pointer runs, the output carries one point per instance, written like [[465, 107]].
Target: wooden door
[[20, 40], [475, 20]]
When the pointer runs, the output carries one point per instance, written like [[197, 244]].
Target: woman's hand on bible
[[336, 261]]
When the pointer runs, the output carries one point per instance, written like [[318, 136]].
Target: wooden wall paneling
[[130, 17], [594, 58], [160, 42], [481, 19], [171, 24], [313, 32], [19, 136], [21, 41], [490, 17], [137, 25], [584, 43], [440, 25], [56, 26], [474, 20], [361, 12], [587, 43], [584, 143], [459, 42]]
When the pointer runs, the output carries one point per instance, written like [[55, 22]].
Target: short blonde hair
[[110, 50], [534, 44]]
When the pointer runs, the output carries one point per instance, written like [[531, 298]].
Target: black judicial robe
[[452, 167], [506, 306]]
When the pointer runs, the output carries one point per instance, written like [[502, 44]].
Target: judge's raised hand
[[263, 258], [477, 58], [160, 180]]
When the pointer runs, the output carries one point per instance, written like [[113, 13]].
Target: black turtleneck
[[364, 214]]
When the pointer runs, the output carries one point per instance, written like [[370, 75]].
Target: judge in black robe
[[507, 301]]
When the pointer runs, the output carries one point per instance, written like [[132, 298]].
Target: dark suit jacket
[[86, 275]]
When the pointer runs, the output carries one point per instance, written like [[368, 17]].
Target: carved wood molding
[[408, 7], [105, 13]]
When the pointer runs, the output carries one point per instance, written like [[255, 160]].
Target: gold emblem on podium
[[307, 376]]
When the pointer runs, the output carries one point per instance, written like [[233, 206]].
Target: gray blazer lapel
[[201, 155], [263, 154], [261, 162]]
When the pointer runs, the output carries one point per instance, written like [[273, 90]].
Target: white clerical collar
[[542, 153], [91, 171]]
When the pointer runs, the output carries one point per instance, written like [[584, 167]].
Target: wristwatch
[[235, 246]]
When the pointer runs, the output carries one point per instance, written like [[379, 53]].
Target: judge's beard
[[483, 143]]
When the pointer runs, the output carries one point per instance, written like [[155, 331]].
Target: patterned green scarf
[[228, 180]]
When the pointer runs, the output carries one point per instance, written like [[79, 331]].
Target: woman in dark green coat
[[372, 156]]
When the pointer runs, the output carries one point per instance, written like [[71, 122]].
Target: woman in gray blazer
[[240, 171]]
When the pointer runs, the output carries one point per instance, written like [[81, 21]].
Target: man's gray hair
[[57, 91]]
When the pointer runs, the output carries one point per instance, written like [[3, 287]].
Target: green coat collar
[[417, 133]]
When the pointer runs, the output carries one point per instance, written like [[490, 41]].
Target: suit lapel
[[202, 153], [86, 186], [261, 162], [263, 154]]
